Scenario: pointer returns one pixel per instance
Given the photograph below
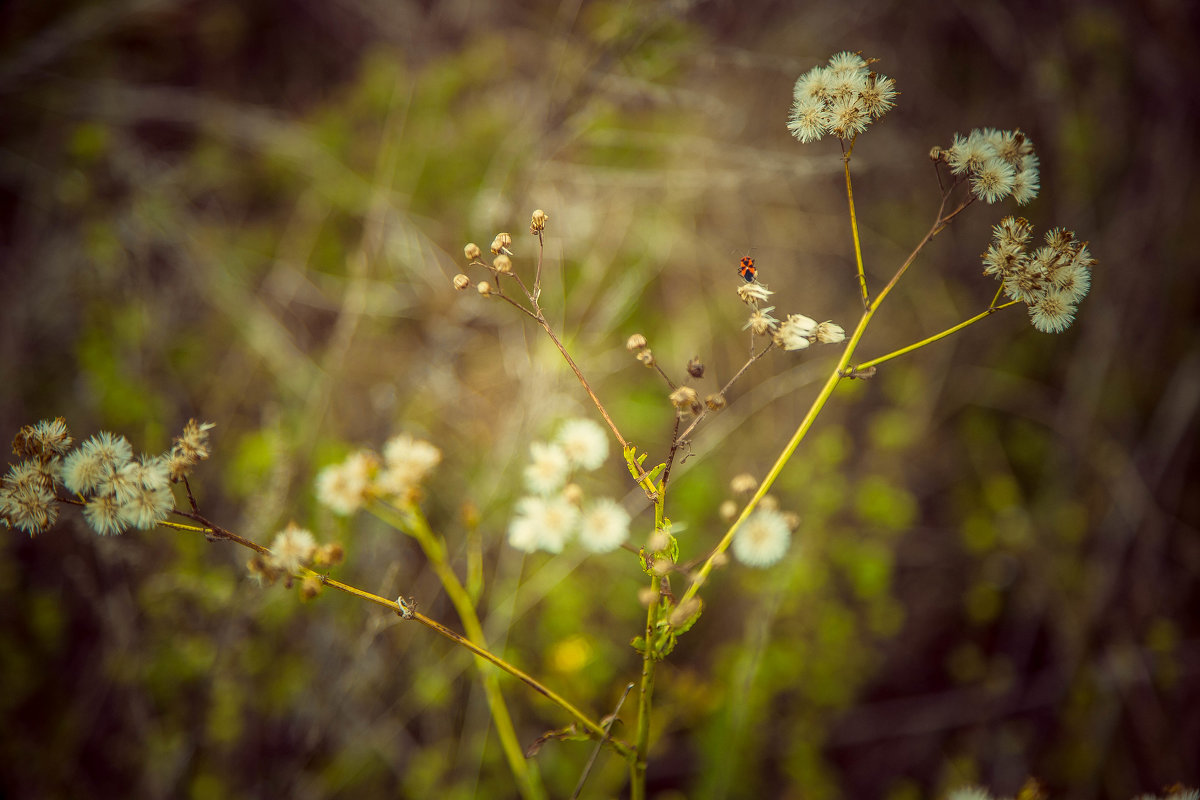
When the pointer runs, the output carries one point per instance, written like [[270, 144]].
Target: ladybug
[[747, 270]]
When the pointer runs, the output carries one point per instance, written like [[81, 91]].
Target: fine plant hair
[[841, 100]]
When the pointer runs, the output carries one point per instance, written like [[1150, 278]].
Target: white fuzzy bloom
[[763, 539], [584, 443], [796, 333], [604, 526], [343, 487], [144, 507], [82, 470], [542, 524], [406, 461], [292, 548], [103, 513], [548, 468]]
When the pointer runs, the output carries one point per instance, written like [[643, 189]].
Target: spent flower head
[[1050, 280], [542, 523], [763, 538], [603, 525], [584, 442], [841, 98], [998, 164]]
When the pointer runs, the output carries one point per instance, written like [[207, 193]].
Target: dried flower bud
[[743, 484], [685, 399], [635, 342], [328, 554], [792, 519], [728, 510], [830, 333], [646, 357], [461, 282], [484, 288], [695, 367], [937, 154], [502, 264], [310, 587], [769, 503], [715, 401], [472, 251], [500, 244], [753, 293], [538, 222]]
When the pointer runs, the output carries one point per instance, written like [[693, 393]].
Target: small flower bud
[[310, 587], [484, 288], [658, 541], [728, 510], [792, 519], [503, 264], [472, 251], [646, 596], [695, 367], [685, 399], [635, 342], [715, 401], [743, 484], [684, 611], [500, 244], [937, 154], [461, 282], [646, 357], [538, 223]]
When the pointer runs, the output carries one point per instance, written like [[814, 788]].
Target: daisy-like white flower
[[343, 487], [547, 469], [763, 539], [584, 443], [542, 523], [604, 525], [292, 548]]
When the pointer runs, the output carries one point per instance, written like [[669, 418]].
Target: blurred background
[[250, 213]]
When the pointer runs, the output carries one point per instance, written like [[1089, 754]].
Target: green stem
[[858, 259], [929, 340], [637, 766]]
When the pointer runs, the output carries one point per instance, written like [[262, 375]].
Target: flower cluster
[[292, 550], [118, 491], [1050, 280], [364, 475], [998, 164], [841, 98], [555, 509], [765, 535], [795, 333]]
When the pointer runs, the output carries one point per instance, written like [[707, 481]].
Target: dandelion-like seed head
[[584, 443], [83, 470], [841, 98], [292, 548], [993, 181], [547, 469], [46, 439], [761, 322], [685, 399], [603, 525], [27, 498], [879, 96], [343, 488], [103, 513], [763, 539], [848, 117], [1050, 280], [542, 524], [1052, 312]]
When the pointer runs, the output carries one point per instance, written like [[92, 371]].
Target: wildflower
[[796, 333], [1051, 280], [994, 181], [343, 487], [103, 513], [500, 244], [542, 524], [604, 526], [761, 322], [484, 288], [753, 293], [537, 223], [502, 264], [830, 333], [189, 448], [83, 469], [113, 451], [548, 468], [635, 342], [27, 498], [45, 439], [584, 443], [685, 399], [462, 282], [143, 506], [472, 251], [841, 98], [292, 548], [406, 462], [998, 163], [762, 539]]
